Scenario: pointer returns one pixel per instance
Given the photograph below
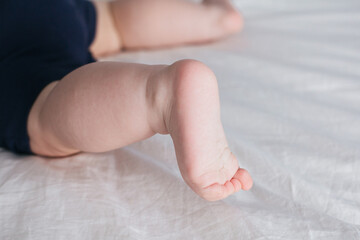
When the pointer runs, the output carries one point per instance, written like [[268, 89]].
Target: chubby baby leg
[[129, 24], [107, 105]]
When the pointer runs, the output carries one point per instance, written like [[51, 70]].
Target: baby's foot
[[193, 120], [231, 19]]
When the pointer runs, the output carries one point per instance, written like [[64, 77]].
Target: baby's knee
[[195, 73], [189, 68]]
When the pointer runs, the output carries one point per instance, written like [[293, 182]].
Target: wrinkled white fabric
[[290, 96]]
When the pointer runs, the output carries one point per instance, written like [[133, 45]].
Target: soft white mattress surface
[[290, 95]]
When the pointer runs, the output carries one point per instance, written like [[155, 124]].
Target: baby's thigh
[[44, 142]]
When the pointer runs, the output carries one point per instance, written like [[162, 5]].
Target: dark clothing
[[41, 41]]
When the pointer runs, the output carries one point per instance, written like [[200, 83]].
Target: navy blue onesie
[[40, 42]]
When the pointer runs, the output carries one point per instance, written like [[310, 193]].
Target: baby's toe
[[218, 191], [236, 183], [244, 178], [240, 180]]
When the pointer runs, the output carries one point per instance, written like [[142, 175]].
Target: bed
[[290, 96]]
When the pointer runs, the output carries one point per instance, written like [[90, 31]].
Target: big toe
[[244, 178]]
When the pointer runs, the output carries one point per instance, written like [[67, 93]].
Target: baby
[[56, 100]]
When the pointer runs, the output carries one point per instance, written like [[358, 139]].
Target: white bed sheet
[[290, 95]]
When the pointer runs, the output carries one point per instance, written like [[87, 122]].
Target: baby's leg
[[107, 105], [98, 107], [160, 23]]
